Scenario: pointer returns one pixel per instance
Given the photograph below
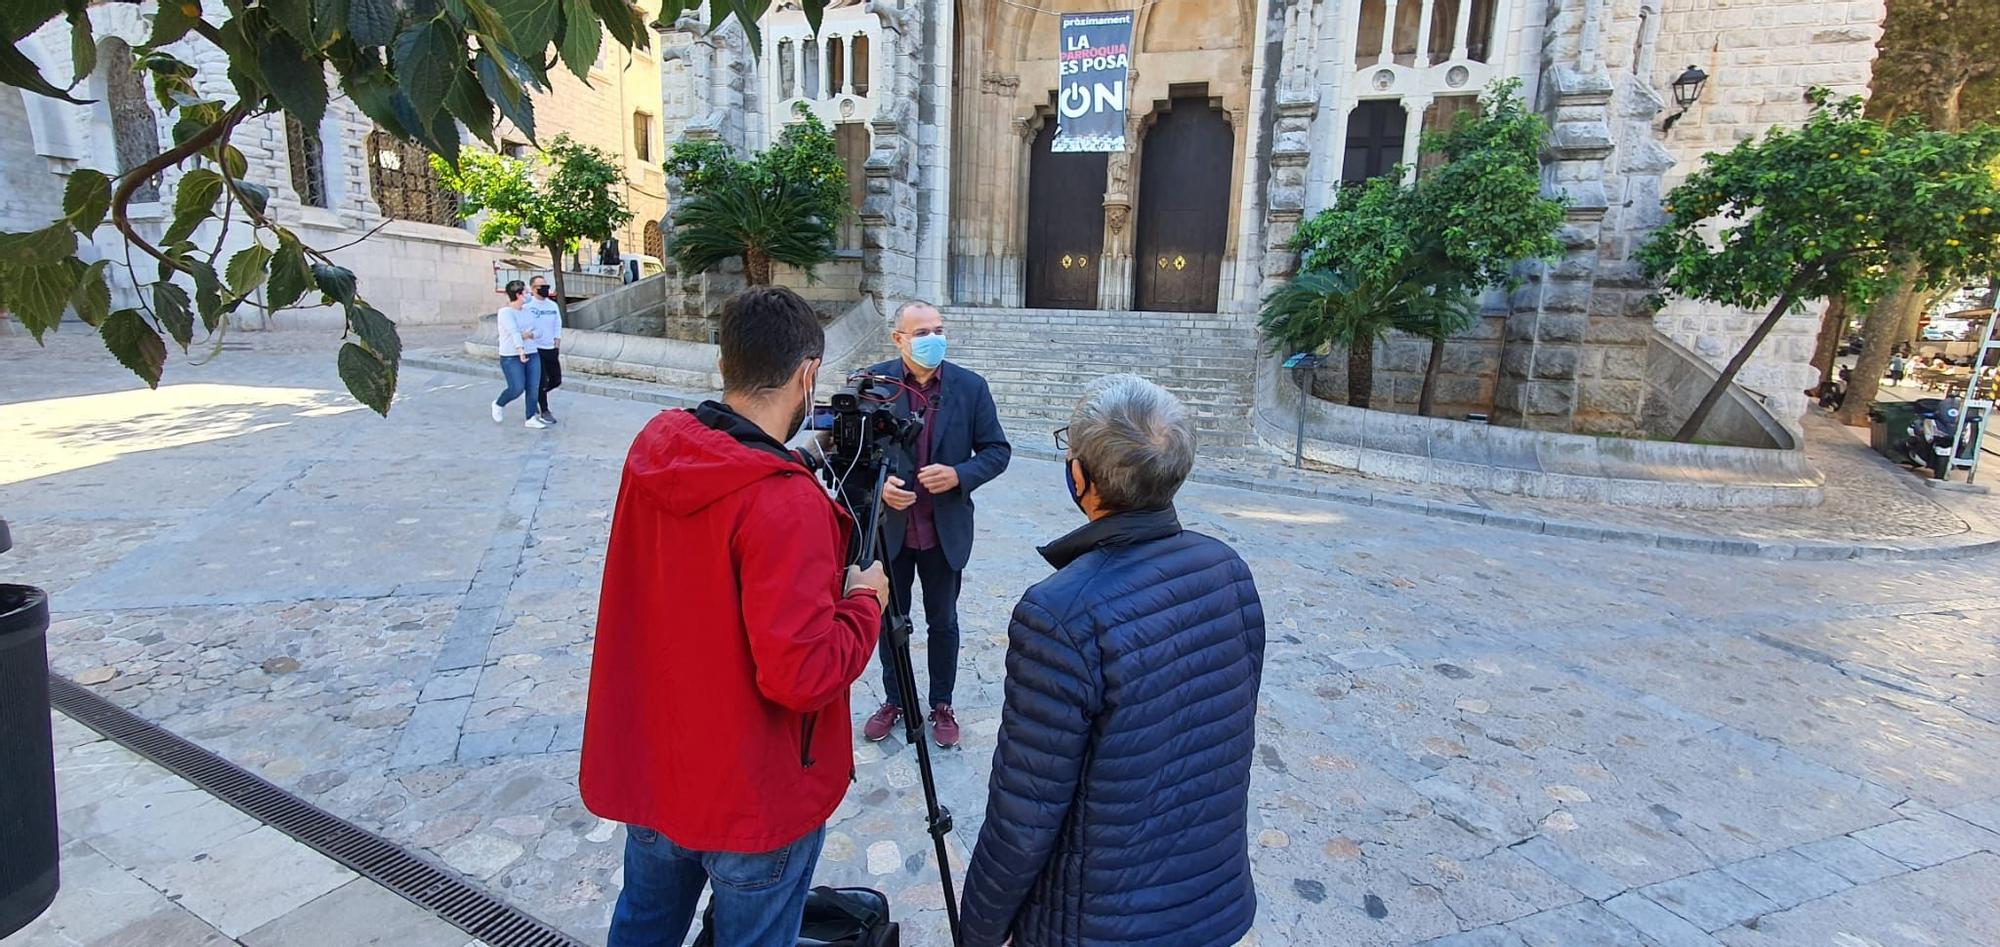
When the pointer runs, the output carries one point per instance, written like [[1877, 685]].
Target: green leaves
[[194, 201], [429, 58], [580, 38], [376, 332], [82, 46], [39, 294], [369, 379], [336, 282], [172, 19], [533, 22], [170, 307], [91, 297], [371, 22], [45, 247], [290, 277], [297, 80], [295, 17], [1836, 206], [580, 194], [135, 345], [247, 269]]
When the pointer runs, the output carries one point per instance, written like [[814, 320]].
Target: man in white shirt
[[548, 340]]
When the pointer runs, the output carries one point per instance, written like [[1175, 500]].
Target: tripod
[[896, 629]]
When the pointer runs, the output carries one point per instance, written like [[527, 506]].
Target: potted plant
[[28, 868]]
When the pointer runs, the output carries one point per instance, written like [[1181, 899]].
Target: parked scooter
[[1927, 442]]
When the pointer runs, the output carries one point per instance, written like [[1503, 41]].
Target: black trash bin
[[1888, 423], [28, 845]]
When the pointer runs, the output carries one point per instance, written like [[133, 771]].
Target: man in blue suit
[[928, 502]]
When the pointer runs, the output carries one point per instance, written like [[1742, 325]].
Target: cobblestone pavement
[[1474, 736]]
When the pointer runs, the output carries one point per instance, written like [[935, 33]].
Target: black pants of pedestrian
[[941, 584], [551, 375]]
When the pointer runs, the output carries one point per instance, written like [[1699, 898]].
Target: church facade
[[1244, 117]]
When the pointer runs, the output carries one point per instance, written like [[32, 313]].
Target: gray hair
[[896, 321], [1135, 441]]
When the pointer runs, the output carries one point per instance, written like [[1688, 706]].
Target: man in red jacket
[[728, 632]]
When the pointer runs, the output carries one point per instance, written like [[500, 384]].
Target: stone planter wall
[[1545, 464]]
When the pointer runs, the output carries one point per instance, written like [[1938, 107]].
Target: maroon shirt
[[920, 531]]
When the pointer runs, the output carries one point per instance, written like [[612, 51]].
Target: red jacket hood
[[687, 465]]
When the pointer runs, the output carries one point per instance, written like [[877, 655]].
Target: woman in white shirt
[[520, 360]]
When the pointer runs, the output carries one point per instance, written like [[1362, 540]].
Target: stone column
[[1295, 111], [889, 211], [1550, 318]]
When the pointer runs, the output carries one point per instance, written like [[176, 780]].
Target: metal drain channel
[[430, 886]]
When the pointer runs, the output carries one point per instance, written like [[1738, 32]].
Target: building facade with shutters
[[342, 184], [1244, 117]]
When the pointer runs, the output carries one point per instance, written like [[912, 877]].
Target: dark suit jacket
[[965, 433]]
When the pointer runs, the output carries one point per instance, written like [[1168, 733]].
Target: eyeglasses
[[1062, 439], [922, 333]]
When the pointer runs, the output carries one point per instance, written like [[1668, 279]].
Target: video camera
[[862, 426]]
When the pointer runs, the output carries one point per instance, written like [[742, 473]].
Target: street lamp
[[1687, 89]]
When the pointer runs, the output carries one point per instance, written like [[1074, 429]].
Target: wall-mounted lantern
[[1687, 89]]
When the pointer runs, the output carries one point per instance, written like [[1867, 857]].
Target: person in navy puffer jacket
[[1117, 811]]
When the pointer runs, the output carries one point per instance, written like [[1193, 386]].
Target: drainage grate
[[438, 889]]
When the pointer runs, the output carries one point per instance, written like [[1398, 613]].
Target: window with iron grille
[[404, 184], [656, 240], [308, 163]]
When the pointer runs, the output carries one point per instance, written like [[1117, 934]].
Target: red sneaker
[[944, 726], [879, 726]]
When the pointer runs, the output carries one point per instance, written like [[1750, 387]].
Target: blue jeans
[[759, 899], [523, 378]]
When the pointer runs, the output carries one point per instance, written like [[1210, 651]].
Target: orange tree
[[1839, 206], [426, 71]]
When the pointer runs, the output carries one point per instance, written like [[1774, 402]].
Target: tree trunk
[[1427, 400], [756, 268], [1360, 372], [562, 293], [1880, 332], [1832, 331], [1708, 401]]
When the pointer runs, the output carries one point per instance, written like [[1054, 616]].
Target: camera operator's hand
[[896, 496], [869, 578]]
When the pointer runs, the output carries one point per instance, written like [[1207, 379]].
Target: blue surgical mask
[[1069, 480], [928, 350]]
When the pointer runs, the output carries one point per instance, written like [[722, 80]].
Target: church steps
[[1038, 361]]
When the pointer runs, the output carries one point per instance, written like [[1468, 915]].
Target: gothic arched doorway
[[1183, 232], [1065, 225]]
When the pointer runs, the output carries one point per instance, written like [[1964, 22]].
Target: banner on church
[[1096, 60]]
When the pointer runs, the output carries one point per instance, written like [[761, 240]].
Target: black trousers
[[941, 584], [551, 375]]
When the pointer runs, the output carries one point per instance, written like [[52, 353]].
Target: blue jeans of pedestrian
[[523, 378], [759, 899]]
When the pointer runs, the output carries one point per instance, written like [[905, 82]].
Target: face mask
[[1076, 492], [928, 350], [805, 407]]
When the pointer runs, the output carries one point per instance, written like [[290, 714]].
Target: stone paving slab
[[149, 860], [1952, 903], [1464, 732]]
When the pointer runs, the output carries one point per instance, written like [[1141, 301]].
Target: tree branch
[[158, 163]]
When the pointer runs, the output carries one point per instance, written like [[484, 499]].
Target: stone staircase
[[1038, 362]]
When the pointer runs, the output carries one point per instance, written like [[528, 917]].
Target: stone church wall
[[1761, 56]]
